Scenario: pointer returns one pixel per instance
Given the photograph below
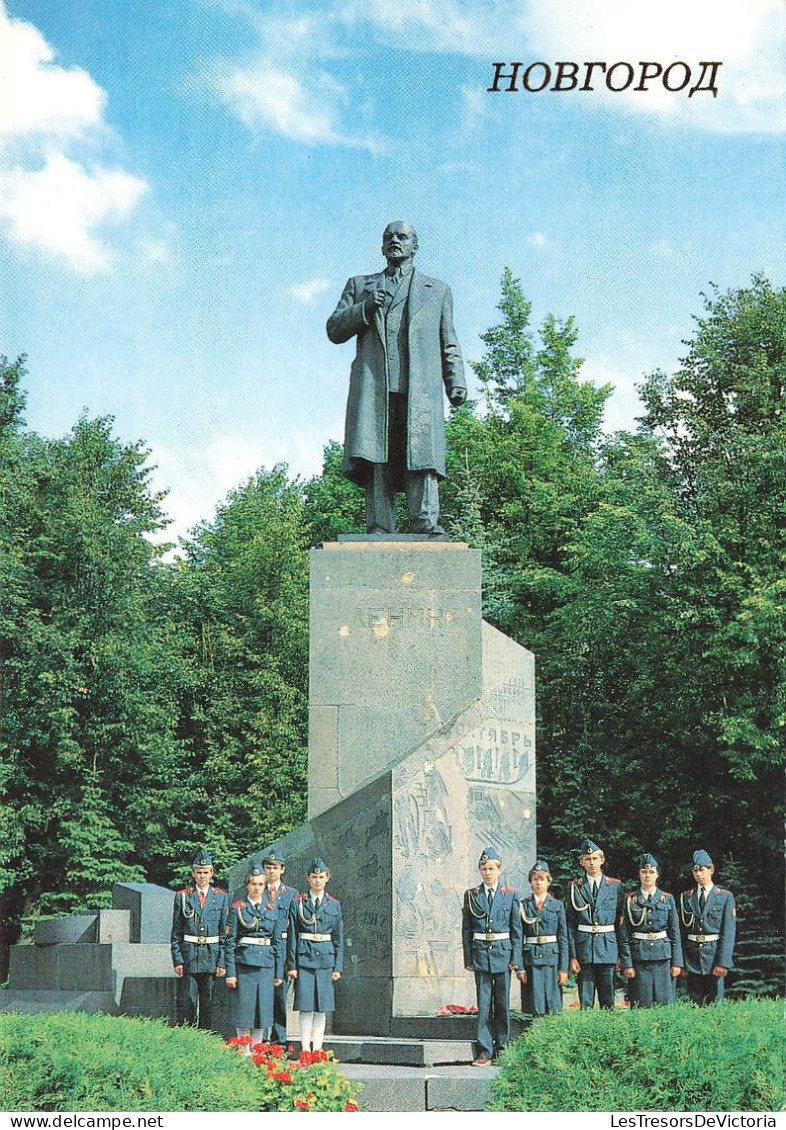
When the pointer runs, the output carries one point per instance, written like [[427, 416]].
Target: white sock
[[306, 1028], [320, 1019], [259, 1035]]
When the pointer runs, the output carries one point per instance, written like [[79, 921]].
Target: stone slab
[[398, 1089], [114, 926], [404, 1053], [393, 539], [470, 1089], [150, 907], [67, 930], [149, 996], [394, 654], [69, 968], [30, 1001]]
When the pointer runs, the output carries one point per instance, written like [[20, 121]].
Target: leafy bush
[[727, 1057], [70, 1061]]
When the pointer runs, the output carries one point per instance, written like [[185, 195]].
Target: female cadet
[[315, 954], [545, 964], [254, 957], [650, 946]]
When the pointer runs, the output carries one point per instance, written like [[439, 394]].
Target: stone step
[[55, 1000], [403, 1089], [384, 1050]]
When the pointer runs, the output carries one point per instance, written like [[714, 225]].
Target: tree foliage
[[149, 706]]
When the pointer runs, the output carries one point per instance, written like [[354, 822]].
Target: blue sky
[[185, 186]]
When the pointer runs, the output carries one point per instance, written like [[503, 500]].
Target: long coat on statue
[[435, 364]]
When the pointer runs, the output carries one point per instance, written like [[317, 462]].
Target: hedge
[[726, 1057], [69, 1061]]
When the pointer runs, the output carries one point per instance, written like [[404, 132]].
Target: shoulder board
[[303, 895], [219, 890], [576, 882], [508, 890], [721, 890], [240, 902], [667, 893], [186, 891], [688, 893], [610, 879], [631, 895], [332, 898]]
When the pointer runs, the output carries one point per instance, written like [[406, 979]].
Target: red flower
[[238, 1041], [301, 1105], [283, 1076], [276, 1050], [351, 1106]]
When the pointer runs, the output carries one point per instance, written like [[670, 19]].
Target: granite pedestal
[[421, 752]]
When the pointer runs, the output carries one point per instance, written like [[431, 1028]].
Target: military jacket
[[719, 918], [248, 926], [487, 954], [190, 920], [588, 945], [282, 902], [657, 915], [549, 921], [326, 949]]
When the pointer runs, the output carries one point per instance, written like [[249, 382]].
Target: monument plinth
[[421, 752]]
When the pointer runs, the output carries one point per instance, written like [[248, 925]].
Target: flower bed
[[310, 1082]]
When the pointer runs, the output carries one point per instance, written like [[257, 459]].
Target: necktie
[[702, 900], [490, 897], [594, 888], [202, 899], [539, 904]]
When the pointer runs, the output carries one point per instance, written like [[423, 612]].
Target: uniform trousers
[[596, 977], [195, 999], [705, 988], [653, 984], [493, 996]]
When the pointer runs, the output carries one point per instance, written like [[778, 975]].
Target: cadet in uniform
[[281, 896], [594, 907], [199, 921], [650, 949], [491, 939], [315, 954], [545, 946], [709, 916], [255, 957]]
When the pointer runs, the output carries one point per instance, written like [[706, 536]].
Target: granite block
[[150, 907], [68, 930]]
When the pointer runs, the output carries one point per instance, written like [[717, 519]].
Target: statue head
[[399, 241]]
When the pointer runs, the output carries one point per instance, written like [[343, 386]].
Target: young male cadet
[[199, 927], [491, 936], [281, 895], [594, 909], [709, 917]]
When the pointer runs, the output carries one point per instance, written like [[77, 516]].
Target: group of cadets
[[263, 942], [276, 935], [597, 930]]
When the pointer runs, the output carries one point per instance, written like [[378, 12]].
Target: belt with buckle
[[317, 937], [200, 939], [656, 937], [540, 940], [491, 937], [595, 929], [255, 941], [701, 938]]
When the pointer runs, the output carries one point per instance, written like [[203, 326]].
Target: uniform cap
[[489, 855], [202, 859], [255, 868], [701, 859], [540, 865], [317, 864], [647, 860], [273, 856], [588, 847]]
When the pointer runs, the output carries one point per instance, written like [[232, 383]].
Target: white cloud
[[536, 240], [749, 39], [58, 208], [37, 97], [624, 404], [50, 199], [265, 96], [306, 292]]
